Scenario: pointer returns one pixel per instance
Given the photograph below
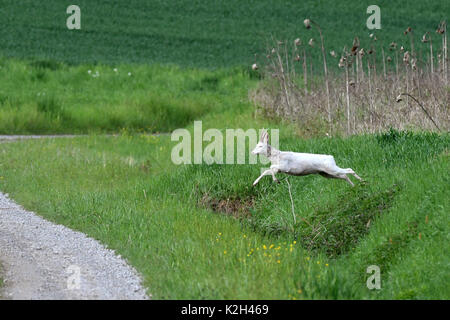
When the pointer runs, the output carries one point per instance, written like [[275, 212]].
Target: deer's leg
[[267, 172], [274, 171], [353, 173], [338, 173], [344, 176]]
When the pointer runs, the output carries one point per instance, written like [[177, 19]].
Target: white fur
[[299, 164]]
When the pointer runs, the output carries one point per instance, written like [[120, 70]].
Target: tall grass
[[364, 100]]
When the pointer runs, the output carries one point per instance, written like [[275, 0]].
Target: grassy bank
[[175, 224]]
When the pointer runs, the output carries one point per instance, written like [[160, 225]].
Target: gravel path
[[42, 260], [7, 138]]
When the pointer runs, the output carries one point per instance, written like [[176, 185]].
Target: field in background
[[210, 34]]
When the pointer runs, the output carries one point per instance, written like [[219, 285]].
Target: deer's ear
[[265, 137], [261, 137]]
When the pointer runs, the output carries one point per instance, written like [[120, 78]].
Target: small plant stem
[[347, 96], [292, 201], [325, 71], [431, 57], [384, 62], [305, 72], [423, 108], [370, 91]]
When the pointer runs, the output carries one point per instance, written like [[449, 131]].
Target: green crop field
[[203, 231], [198, 33]]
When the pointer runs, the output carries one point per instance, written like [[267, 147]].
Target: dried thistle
[[341, 63], [441, 28], [307, 23], [414, 64], [406, 57], [362, 52], [355, 46]]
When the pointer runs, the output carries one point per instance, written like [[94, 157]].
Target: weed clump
[[338, 227], [235, 207]]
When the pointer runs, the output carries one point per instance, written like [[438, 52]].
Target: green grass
[[167, 220], [125, 192], [41, 96], [208, 34]]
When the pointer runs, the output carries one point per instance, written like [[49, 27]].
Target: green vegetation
[[126, 192], [47, 97], [203, 231], [198, 33]]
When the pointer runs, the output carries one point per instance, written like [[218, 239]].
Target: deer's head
[[263, 145]]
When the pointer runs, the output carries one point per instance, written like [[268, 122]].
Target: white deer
[[299, 164]]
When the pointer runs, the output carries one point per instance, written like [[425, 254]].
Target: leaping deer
[[299, 164]]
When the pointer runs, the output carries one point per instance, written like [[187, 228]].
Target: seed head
[[362, 52], [297, 42], [254, 66], [414, 64], [388, 59], [307, 23], [406, 57], [441, 28], [333, 54], [341, 63], [311, 42], [399, 98]]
